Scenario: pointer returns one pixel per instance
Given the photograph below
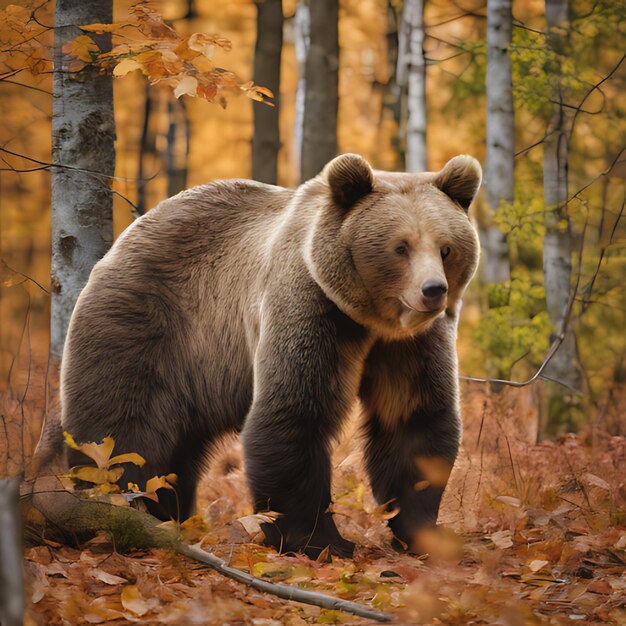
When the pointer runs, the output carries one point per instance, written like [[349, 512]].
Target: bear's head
[[394, 250]]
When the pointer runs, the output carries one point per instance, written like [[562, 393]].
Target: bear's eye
[[445, 252], [402, 249]]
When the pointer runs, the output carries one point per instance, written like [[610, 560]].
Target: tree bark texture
[[500, 136], [557, 243], [83, 153], [177, 156], [319, 127], [11, 573], [301, 44], [267, 53], [412, 73], [394, 93]]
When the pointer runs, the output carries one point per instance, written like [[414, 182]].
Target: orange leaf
[[82, 48]]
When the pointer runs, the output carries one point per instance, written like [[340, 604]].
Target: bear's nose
[[434, 293], [434, 290]]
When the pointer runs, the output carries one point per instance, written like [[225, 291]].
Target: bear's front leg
[[409, 394], [288, 467], [408, 467], [302, 392]]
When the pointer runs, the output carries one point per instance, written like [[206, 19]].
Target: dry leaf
[[133, 601]]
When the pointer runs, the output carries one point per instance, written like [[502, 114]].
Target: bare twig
[[286, 592], [586, 299]]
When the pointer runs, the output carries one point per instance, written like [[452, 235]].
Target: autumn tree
[[321, 75], [500, 136], [411, 74], [83, 153], [267, 54], [564, 367]]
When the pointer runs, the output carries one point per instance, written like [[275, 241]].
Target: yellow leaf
[[194, 528], [125, 66], [133, 601], [158, 482], [129, 457], [69, 440], [98, 452], [96, 475]]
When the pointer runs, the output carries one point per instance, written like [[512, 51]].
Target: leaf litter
[[534, 534]]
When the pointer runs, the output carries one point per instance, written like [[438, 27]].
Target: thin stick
[[286, 592]]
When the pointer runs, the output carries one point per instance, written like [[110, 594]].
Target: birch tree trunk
[[500, 136], [557, 243], [83, 134], [319, 127], [269, 43], [412, 73], [302, 40]]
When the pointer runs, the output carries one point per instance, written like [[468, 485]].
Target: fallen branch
[[73, 517], [287, 592]]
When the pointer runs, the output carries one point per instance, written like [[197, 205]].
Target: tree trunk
[[176, 159], [269, 43], [394, 94], [412, 73], [301, 44], [83, 134], [319, 128], [11, 573], [145, 141], [500, 136], [557, 244]]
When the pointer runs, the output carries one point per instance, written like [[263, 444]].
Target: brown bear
[[243, 306]]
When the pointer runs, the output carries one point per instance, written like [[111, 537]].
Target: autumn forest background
[[211, 89]]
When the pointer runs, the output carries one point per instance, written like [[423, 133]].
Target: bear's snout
[[434, 294]]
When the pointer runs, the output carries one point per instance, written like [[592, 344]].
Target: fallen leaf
[[537, 565], [502, 538], [599, 586], [133, 601], [105, 577]]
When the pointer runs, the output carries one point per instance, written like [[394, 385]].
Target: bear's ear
[[350, 178], [460, 179]]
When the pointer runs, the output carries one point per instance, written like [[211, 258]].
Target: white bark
[[500, 135], [557, 244], [302, 42], [412, 73], [83, 133]]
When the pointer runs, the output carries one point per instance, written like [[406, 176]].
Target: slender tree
[[267, 52], [319, 124], [302, 40], [83, 134], [500, 135], [412, 74], [394, 94], [177, 146], [557, 243]]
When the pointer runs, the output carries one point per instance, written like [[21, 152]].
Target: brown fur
[[243, 306]]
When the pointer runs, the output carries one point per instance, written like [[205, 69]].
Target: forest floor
[[530, 534]]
